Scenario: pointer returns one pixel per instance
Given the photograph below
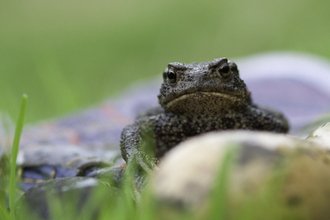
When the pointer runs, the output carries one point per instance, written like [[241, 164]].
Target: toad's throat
[[207, 98]]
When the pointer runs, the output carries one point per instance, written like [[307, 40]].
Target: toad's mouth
[[197, 95], [201, 102]]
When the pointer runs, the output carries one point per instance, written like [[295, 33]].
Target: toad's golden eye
[[224, 70], [171, 75]]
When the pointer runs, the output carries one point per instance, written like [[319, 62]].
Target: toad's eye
[[171, 75], [224, 70]]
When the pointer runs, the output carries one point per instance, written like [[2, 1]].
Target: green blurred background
[[71, 54]]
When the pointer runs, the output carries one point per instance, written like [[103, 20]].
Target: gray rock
[[71, 193], [187, 173], [321, 136]]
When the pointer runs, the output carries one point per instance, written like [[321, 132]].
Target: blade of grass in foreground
[[219, 197], [14, 151], [4, 215]]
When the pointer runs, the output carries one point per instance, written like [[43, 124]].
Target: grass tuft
[[12, 183], [219, 197]]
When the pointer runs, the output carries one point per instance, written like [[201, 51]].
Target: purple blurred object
[[294, 83]]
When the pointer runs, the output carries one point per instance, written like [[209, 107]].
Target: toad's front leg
[[138, 143]]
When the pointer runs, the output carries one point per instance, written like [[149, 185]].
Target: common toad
[[196, 98]]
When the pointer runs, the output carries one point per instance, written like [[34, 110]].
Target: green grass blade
[[3, 213], [219, 196], [12, 183]]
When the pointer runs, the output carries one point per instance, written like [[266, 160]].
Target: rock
[[187, 173], [321, 135], [71, 194], [44, 162]]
